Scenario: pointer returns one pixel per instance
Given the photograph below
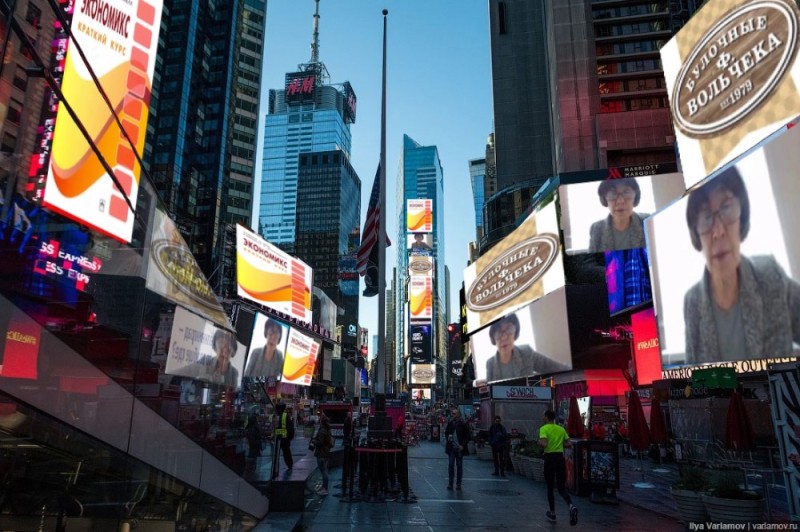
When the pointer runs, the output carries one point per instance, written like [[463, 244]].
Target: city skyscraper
[[421, 177], [201, 140], [578, 85], [477, 177], [327, 227], [308, 115]]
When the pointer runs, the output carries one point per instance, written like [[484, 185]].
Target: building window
[[14, 111], [501, 17], [8, 144]]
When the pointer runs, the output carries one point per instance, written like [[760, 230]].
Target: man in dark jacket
[[497, 439], [457, 434]]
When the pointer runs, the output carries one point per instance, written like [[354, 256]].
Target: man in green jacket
[[554, 438]]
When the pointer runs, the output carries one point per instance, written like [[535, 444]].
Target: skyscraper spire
[[315, 35]]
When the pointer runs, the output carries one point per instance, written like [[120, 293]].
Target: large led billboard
[[724, 261], [201, 350], [419, 215], [627, 279], [521, 268], [533, 340], [301, 358], [173, 272], [732, 78], [607, 215], [267, 348], [420, 343], [423, 374], [269, 276], [420, 297], [120, 40]]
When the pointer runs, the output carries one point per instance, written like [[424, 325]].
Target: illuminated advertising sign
[[300, 86], [534, 340], [423, 374], [420, 266], [731, 77], [420, 344], [174, 273], [739, 231], [19, 352], [61, 263], [350, 103], [420, 295], [267, 347], [646, 354], [200, 350], [627, 279], [420, 243], [301, 358], [522, 393], [419, 216], [521, 268], [271, 277], [121, 39], [594, 214]]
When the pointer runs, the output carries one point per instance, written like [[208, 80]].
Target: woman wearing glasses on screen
[[622, 228], [743, 307], [513, 361]]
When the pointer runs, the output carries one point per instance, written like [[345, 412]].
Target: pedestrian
[[284, 433], [322, 451], [497, 439], [553, 438], [253, 436], [457, 433]]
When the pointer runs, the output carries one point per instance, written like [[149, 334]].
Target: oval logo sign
[[735, 67], [177, 264], [422, 375], [420, 266], [512, 272]]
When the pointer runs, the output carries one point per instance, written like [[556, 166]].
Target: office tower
[[477, 177], [421, 177], [578, 85], [327, 224], [308, 115], [201, 141]]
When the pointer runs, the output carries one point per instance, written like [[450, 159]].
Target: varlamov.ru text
[[742, 526]]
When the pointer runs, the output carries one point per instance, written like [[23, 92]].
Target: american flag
[[367, 255]]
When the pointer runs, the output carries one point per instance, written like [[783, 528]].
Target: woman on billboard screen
[[743, 307], [622, 228], [513, 361]]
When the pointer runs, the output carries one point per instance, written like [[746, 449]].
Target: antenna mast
[[315, 38]]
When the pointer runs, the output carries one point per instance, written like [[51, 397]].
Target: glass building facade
[[421, 176], [328, 233], [292, 128], [203, 126], [477, 177]]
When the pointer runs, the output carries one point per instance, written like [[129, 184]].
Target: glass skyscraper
[[201, 140], [421, 177], [315, 120]]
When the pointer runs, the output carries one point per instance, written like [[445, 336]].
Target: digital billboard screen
[[533, 340], [419, 215], [607, 215], [121, 41], [731, 76], [269, 276], [300, 361], [627, 279], [420, 343], [420, 297], [201, 350], [725, 258], [267, 347], [521, 268]]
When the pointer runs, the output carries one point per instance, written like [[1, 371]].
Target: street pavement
[[485, 502]]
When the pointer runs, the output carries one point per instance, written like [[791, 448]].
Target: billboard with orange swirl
[[420, 297], [120, 41], [271, 277], [301, 358], [419, 215]]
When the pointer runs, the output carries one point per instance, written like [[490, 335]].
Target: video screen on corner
[[627, 279], [725, 258], [607, 215], [534, 340]]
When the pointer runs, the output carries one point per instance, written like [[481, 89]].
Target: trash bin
[[435, 433]]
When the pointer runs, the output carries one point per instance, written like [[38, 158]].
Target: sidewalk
[[486, 502]]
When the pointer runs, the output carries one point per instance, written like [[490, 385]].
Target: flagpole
[[380, 384]]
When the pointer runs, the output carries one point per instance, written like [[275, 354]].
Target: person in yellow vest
[[553, 438], [284, 433]]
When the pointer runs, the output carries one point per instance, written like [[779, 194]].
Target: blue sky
[[438, 92]]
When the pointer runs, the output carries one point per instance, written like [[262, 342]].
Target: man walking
[[553, 438], [497, 439], [283, 436], [457, 434]]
